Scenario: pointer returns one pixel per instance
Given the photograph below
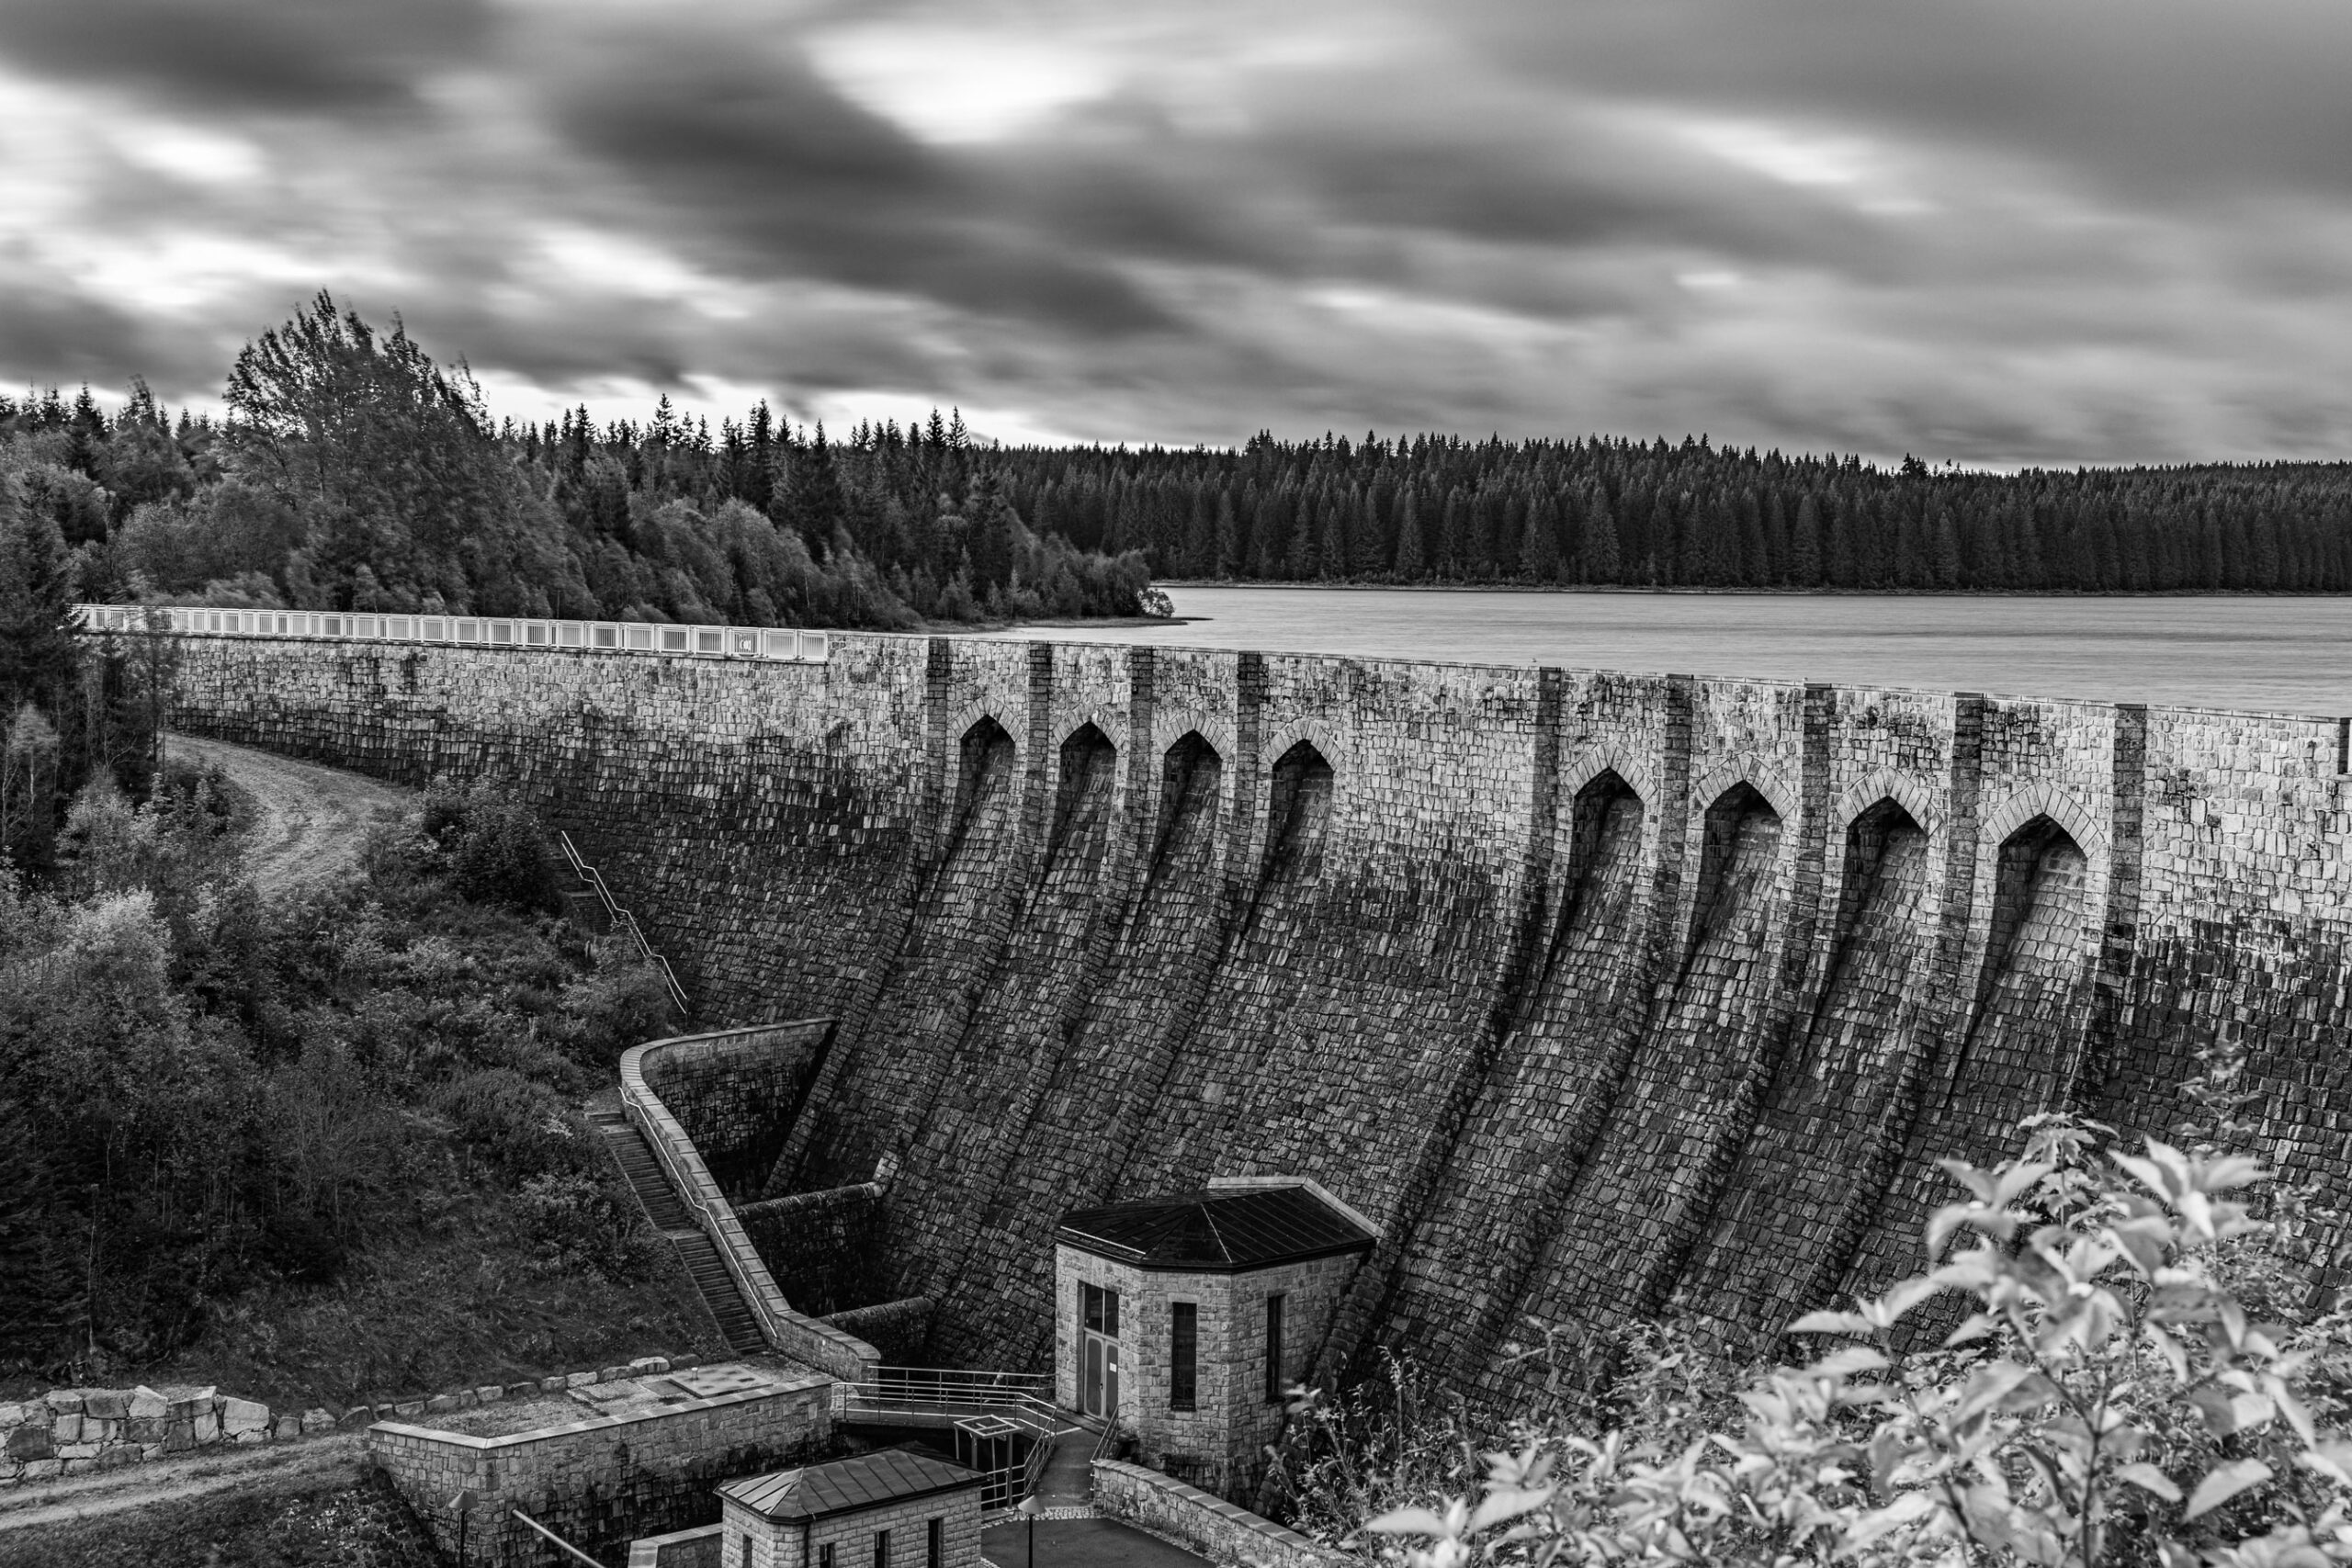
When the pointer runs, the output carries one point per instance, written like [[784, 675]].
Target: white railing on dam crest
[[772, 644]]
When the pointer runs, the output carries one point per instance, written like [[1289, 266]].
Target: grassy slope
[[350, 1518], [452, 1310]]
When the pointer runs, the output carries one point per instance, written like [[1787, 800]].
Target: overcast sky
[[1998, 231]]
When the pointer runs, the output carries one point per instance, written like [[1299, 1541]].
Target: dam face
[[1604, 995]]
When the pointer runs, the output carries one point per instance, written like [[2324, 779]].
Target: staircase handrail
[[624, 921]]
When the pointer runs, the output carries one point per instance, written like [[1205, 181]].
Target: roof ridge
[[1208, 1214]]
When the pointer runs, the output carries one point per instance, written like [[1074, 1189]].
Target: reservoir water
[[2264, 655]]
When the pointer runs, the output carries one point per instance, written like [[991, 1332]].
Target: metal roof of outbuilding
[[847, 1485], [1216, 1229]]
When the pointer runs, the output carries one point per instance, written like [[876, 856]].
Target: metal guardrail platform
[[991, 1414]]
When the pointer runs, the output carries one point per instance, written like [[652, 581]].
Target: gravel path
[[311, 817]]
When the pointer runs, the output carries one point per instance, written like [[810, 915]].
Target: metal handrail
[[767, 644], [1041, 1452], [623, 920], [890, 1398], [959, 1377], [557, 1539]]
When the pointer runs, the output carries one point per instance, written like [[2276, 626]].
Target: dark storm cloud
[[765, 152], [1982, 229], [2171, 98], [63, 336], [243, 54]]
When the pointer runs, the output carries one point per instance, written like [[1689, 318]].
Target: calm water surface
[[2267, 655]]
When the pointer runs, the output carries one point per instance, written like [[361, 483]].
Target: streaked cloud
[[1980, 229]]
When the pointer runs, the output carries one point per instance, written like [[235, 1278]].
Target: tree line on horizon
[[352, 472], [1614, 512]]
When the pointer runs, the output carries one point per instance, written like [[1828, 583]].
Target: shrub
[[502, 856], [579, 1222], [622, 1003], [516, 1124], [2107, 1397]]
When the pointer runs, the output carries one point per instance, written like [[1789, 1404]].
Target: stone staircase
[[668, 1214]]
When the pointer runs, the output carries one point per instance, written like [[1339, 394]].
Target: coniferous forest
[[1616, 512], [352, 471]]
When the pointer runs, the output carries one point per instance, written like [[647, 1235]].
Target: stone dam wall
[[1603, 994]]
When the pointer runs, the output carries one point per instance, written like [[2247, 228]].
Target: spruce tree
[[1227, 562], [1300, 564], [1539, 551], [1602, 560], [1804, 544], [39, 651], [1409, 565], [1337, 554], [36, 1296]]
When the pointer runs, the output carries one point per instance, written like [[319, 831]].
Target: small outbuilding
[[1185, 1317], [892, 1509]]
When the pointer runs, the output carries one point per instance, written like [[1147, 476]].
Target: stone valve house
[[892, 1509], [1185, 1317]]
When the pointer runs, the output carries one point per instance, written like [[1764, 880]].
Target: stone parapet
[[1223, 1532], [795, 1334], [698, 1547]]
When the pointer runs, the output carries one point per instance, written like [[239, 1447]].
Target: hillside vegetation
[[322, 1147]]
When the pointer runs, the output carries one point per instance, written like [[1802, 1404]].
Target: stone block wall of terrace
[[1595, 991], [602, 1482]]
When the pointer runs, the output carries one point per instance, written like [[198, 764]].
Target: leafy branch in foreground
[[2115, 1394]]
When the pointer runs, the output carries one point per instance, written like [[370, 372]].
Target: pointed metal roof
[[848, 1485], [1216, 1230]]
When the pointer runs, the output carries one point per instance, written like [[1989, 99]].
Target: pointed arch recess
[[1170, 723], [1610, 758], [2061, 806], [1108, 720], [1891, 783], [1325, 741], [993, 711], [1747, 768], [2040, 801]]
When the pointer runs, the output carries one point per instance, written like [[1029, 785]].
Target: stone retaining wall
[[603, 1482], [69, 1431], [736, 1095], [1226, 1535], [831, 1250]]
